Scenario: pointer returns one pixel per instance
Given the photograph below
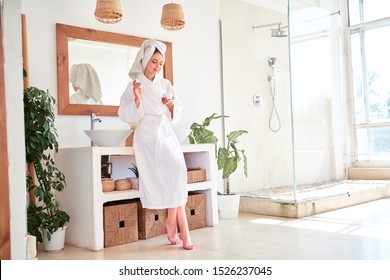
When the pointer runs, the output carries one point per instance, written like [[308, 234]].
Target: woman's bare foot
[[187, 244], [172, 233]]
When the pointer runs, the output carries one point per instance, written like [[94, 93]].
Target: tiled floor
[[359, 232]]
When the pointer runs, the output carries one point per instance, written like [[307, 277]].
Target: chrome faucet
[[94, 119]]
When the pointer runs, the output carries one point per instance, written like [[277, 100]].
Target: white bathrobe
[[158, 154]]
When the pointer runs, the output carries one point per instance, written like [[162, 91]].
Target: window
[[369, 29]]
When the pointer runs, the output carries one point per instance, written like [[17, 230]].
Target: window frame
[[371, 159]]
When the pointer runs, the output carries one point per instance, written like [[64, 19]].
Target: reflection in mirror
[[110, 55], [86, 84], [102, 58]]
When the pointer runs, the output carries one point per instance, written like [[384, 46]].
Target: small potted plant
[[228, 158], [45, 219], [134, 180]]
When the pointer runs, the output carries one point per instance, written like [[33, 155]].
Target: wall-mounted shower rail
[[266, 25]]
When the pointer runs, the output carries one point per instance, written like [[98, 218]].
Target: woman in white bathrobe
[[151, 101]]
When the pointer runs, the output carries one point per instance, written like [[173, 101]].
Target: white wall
[[12, 42], [196, 53]]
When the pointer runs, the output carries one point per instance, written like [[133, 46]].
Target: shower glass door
[[281, 83], [256, 91], [317, 112]]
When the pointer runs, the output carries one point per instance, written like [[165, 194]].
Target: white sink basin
[[108, 137]]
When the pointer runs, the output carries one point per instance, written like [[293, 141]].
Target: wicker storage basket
[[151, 222], [122, 184], [108, 185], [120, 223], [195, 211], [196, 175]]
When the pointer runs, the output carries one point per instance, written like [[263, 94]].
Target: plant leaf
[[214, 116], [222, 157], [229, 167], [232, 136], [245, 163]]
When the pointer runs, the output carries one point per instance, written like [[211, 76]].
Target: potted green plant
[[228, 159], [45, 218], [134, 180], [201, 134]]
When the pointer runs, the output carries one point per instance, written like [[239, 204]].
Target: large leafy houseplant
[[228, 157], [40, 140]]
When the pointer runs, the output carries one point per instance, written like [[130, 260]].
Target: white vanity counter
[[83, 197]]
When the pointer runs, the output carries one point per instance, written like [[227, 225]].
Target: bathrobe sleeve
[[128, 111], [177, 109]]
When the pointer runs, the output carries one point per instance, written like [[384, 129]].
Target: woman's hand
[[169, 103], [137, 89]]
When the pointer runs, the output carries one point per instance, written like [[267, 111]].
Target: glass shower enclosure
[[281, 83]]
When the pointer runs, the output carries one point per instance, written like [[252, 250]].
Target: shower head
[[278, 32], [271, 61], [275, 32]]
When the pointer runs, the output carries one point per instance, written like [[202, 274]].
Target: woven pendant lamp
[[108, 11], [172, 17]]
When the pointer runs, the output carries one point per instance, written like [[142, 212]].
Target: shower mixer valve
[[257, 99]]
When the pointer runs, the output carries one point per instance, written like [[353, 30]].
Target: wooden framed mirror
[[103, 44]]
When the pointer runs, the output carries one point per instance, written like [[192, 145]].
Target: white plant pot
[[229, 206], [57, 241], [31, 247]]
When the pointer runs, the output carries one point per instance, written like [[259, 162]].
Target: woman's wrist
[[137, 101]]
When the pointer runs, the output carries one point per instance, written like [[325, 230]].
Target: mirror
[[77, 45]]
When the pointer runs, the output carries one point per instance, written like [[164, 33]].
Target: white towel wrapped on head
[[87, 80], [144, 54]]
